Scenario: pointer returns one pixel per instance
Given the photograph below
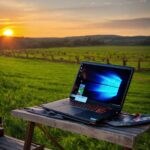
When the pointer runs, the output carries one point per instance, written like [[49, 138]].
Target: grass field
[[115, 54], [25, 83]]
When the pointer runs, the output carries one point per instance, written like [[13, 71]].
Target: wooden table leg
[[50, 137], [29, 135]]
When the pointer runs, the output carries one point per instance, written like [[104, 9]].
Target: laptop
[[98, 93]]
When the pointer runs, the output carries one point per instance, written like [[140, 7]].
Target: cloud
[[136, 23]]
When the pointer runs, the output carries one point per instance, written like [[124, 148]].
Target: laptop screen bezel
[[115, 106]]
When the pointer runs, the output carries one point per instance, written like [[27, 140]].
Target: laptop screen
[[101, 83]]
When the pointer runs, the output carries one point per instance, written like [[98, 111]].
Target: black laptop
[[98, 93]]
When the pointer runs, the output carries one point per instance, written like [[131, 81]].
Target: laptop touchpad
[[88, 115], [69, 110]]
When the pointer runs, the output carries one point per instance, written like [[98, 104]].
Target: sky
[[61, 18]]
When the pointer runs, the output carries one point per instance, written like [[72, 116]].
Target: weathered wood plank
[[9, 143], [131, 130], [122, 136]]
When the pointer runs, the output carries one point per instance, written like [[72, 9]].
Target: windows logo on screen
[[106, 86]]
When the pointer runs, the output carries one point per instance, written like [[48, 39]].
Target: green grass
[[25, 83]]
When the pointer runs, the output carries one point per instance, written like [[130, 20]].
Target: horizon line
[[77, 36]]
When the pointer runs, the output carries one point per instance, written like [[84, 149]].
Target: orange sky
[[59, 18]]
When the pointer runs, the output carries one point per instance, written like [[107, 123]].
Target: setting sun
[[8, 32]]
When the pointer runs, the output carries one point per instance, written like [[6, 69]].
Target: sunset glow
[[60, 18], [8, 32]]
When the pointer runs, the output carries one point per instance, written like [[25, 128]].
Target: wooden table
[[124, 136]]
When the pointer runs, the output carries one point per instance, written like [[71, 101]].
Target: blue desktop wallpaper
[[105, 86]]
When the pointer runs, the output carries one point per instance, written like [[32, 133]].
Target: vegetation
[[90, 40], [137, 56], [29, 82]]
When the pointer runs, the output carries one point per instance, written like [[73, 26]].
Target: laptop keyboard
[[98, 109]]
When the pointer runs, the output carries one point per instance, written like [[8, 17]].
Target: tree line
[[95, 40]]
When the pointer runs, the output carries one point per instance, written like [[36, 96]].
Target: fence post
[[77, 59], [26, 53], [107, 60], [124, 61], [52, 57], [139, 64]]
